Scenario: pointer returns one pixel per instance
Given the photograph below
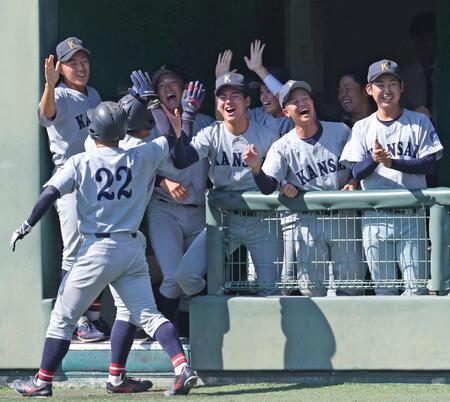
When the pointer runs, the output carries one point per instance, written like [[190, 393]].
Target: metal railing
[[326, 242]]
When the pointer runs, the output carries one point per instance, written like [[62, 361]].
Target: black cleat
[[28, 387], [183, 383], [129, 385]]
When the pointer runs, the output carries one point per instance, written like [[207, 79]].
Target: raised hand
[[251, 158], [192, 100], [142, 89], [19, 234], [289, 190], [255, 63], [51, 71], [223, 63]]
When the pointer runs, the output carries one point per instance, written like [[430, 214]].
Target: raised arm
[[47, 105]]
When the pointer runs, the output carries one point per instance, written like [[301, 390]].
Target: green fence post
[[215, 252], [439, 235]]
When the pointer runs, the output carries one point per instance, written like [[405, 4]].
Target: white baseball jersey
[[224, 151], [193, 178], [280, 124], [69, 129], [112, 184], [411, 136], [307, 166]]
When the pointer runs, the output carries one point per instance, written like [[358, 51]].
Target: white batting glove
[[19, 234]]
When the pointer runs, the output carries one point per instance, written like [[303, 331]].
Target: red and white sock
[[116, 372], [44, 377], [179, 363]]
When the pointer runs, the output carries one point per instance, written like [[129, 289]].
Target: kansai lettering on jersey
[[401, 149], [321, 169]]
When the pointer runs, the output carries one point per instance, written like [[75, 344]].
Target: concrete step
[[145, 357]]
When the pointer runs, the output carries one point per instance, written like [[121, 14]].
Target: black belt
[[176, 203], [108, 235]]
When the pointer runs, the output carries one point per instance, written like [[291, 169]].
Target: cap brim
[[238, 87], [373, 79], [69, 55], [298, 85]]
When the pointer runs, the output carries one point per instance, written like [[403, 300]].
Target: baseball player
[[270, 113], [393, 148], [62, 110], [176, 212], [112, 190], [223, 144], [307, 159]]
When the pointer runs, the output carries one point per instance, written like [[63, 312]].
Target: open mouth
[[303, 112], [171, 97], [230, 110]]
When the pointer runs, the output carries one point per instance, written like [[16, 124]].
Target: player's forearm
[[364, 168], [44, 202], [266, 184], [186, 131], [184, 155], [161, 121], [47, 105], [272, 83], [425, 165]]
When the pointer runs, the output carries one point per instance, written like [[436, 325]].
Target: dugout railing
[[419, 218]]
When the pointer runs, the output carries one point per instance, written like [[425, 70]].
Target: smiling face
[[269, 102], [76, 71], [351, 95], [232, 104], [300, 107], [386, 91], [170, 90]]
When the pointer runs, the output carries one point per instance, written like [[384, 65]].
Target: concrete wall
[[21, 292], [301, 333]]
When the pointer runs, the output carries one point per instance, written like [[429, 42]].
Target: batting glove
[[142, 89], [19, 234], [192, 100]]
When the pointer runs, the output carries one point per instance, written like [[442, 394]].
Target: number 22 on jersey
[[106, 174]]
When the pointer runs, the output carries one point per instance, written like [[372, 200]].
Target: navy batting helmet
[[139, 117], [108, 122]]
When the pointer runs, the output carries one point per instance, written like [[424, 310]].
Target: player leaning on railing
[[393, 148], [305, 159]]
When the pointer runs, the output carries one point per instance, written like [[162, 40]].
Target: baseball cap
[[280, 74], [68, 47], [383, 67], [167, 69], [231, 80], [287, 88]]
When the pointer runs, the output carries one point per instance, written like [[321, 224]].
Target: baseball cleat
[[28, 387], [87, 332], [183, 383], [128, 385]]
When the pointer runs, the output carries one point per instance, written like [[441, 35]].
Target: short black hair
[[358, 73], [422, 23]]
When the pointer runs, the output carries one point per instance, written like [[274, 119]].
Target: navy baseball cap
[[167, 69], [383, 67], [231, 80], [280, 74], [287, 88], [68, 47]]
